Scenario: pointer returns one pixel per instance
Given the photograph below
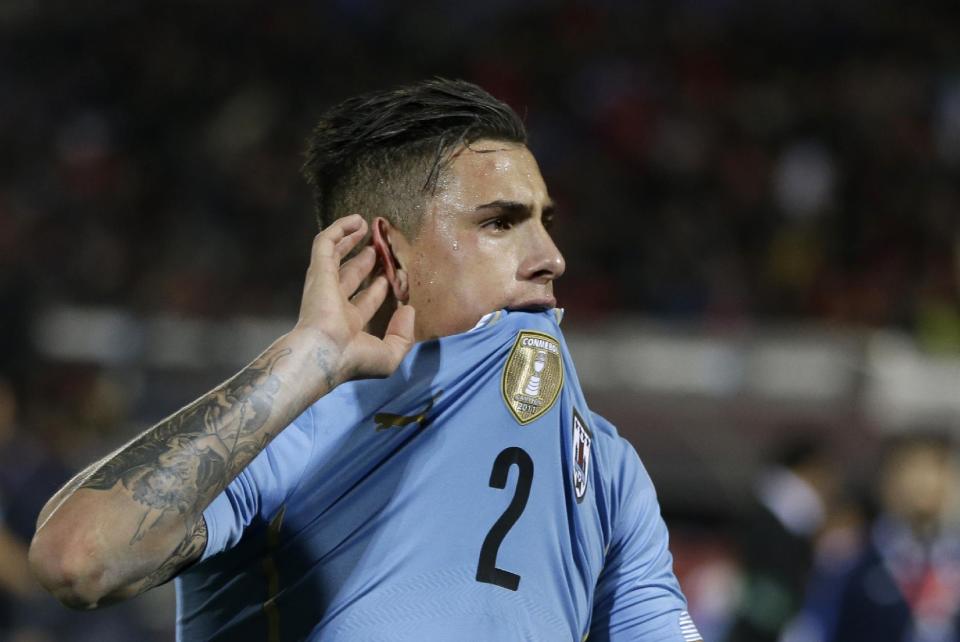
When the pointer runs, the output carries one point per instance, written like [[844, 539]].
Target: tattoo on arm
[[188, 550], [322, 356], [178, 466]]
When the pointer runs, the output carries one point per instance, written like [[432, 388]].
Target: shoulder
[[627, 489], [619, 452], [602, 426]]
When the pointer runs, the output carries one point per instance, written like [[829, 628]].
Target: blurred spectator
[[16, 582], [793, 495], [837, 549], [29, 472], [905, 587]]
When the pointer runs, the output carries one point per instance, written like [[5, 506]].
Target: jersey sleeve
[[637, 595], [262, 487]]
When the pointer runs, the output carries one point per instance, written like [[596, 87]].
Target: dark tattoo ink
[[179, 465], [188, 550], [322, 356]]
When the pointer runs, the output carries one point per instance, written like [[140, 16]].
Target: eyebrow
[[516, 207]]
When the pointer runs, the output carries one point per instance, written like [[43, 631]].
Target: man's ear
[[385, 237]]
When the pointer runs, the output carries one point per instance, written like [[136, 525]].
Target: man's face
[[918, 483], [484, 242]]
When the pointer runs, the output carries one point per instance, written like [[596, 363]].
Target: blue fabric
[[377, 533]]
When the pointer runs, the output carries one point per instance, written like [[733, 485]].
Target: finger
[[324, 255], [394, 346], [383, 356], [327, 243], [369, 300], [349, 242], [354, 271], [399, 337], [401, 324]]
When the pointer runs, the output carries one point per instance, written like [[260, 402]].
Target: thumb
[[399, 337]]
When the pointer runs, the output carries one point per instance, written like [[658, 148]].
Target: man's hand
[[335, 310]]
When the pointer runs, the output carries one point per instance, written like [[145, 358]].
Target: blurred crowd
[[717, 162], [824, 560]]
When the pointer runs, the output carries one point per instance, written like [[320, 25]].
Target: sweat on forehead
[[494, 178], [485, 155]]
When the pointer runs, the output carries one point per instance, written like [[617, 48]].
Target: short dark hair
[[382, 153], [932, 439], [801, 445]]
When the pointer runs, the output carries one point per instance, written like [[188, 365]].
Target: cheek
[[498, 257], [463, 273], [490, 278], [437, 274], [482, 257]]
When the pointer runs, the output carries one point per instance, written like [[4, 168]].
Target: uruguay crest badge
[[532, 376], [582, 438]]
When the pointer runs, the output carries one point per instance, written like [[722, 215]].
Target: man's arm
[[638, 596], [135, 518]]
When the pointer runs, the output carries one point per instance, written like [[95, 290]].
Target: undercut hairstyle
[[383, 153]]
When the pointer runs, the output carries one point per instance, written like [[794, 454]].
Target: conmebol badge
[[532, 376]]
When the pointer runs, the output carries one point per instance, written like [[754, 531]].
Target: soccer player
[[466, 494]]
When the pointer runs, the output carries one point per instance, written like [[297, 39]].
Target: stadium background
[[759, 206]]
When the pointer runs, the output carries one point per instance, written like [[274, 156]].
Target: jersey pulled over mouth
[[535, 304]]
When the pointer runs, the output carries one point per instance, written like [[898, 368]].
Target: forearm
[[133, 519], [68, 489]]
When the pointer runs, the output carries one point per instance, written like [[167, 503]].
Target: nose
[[542, 261]]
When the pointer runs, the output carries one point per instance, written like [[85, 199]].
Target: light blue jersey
[[470, 496]]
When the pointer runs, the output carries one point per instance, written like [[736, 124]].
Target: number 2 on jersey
[[487, 570]]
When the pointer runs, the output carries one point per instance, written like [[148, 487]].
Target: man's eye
[[498, 224]]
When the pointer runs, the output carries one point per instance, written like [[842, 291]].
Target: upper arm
[[637, 595]]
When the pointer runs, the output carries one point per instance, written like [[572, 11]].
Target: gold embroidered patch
[[532, 376]]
